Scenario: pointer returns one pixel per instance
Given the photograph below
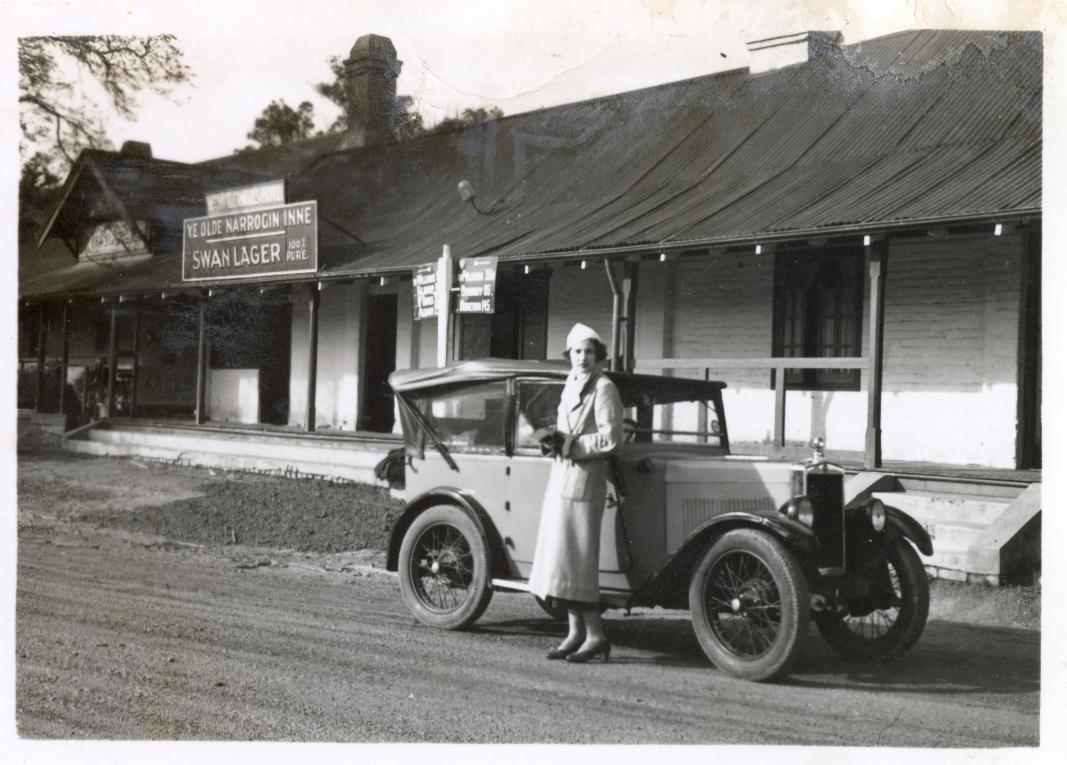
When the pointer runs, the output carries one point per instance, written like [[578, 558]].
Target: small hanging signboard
[[477, 284], [425, 283]]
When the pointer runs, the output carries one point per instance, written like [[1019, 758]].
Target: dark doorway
[[377, 415]]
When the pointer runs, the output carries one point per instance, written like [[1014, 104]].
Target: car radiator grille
[[698, 510], [826, 494]]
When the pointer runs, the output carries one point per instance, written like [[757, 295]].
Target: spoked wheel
[[444, 569], [749, 605], [891, 618]]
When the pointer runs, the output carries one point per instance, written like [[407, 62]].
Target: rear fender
[[446, 495]]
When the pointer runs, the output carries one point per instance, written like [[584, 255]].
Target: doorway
[[380, 355]]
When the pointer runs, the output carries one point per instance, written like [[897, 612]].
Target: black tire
[[890, 630], [749, 604], [444, 569]]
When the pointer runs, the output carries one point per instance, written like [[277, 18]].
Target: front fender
[[900, 524], [793, 533], [445, 495]]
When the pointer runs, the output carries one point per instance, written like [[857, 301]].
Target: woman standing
[[567, 556]]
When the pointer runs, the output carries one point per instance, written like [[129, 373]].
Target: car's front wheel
[[749, 603], [892, 616], [444, 568]]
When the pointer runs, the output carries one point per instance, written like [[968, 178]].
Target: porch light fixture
[[663, 257], [583, 265], [526, 268], [866, 240], [381, 281], [998, 229], [468, 194], [759, 249]]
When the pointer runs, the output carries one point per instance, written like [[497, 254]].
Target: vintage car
[[755, 548]]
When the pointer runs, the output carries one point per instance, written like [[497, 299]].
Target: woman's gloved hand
[[552, 441]]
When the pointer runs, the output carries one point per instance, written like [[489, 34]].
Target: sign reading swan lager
[[268, 241]]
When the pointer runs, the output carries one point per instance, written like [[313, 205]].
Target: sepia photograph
[[648, 372]]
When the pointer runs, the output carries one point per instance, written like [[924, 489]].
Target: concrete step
[[336, 457], [930, 508], [325, 452], [951, 536], [1007, 490], [359, 469]]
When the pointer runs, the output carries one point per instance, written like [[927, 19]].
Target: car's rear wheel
[[444, 568], [893, 615], [749, 604]]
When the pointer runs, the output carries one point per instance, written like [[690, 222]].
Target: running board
[[611, 598]]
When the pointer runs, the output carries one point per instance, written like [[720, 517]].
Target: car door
[[536, 402]]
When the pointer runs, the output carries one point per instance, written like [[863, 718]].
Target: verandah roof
[[915, 127]]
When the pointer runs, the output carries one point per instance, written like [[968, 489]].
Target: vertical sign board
[[425, 283], [477, 284], [267, 241]]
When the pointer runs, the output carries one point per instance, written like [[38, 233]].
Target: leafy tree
[[280, 124], [469, 117], [57, 121], [37, 187]]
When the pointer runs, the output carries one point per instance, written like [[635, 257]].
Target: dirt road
[[124, 635]]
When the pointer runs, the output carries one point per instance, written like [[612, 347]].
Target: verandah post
[[313, 354], [112, 358], [877, 259], [201, 363], [42, 340], [64, 360]]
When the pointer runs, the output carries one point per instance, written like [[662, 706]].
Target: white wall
[[337, 382], [951, 350], [575, 296], [233, 395]]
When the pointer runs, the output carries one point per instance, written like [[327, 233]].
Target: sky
[[517, 56]]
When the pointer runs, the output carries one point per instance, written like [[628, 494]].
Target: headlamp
[[876, 514]]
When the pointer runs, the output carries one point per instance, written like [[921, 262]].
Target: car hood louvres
[[699, 510]]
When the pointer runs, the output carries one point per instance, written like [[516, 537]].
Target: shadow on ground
[[950, 658]]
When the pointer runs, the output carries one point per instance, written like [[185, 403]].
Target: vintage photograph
[[530, 373]]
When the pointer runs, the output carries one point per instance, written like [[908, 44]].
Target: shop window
[[818, 303]]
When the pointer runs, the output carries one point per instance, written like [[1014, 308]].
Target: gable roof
[[910, 129]]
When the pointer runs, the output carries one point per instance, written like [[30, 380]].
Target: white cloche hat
[[581, 332]]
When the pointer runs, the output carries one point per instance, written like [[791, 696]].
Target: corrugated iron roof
[[917, 126]]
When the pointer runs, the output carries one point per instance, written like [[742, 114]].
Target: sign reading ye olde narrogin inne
[[270, 241]]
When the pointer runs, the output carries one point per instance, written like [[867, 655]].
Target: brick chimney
[[370, 79], [786, 50]]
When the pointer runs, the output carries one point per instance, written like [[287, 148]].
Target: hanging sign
[[271, 241], [477, 285], [425, 282], [244, 197]]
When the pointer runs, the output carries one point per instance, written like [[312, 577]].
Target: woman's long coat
[[567, 556]]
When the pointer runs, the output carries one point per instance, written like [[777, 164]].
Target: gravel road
[[127, 635]]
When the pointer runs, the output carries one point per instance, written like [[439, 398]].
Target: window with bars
[[818, 303]]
